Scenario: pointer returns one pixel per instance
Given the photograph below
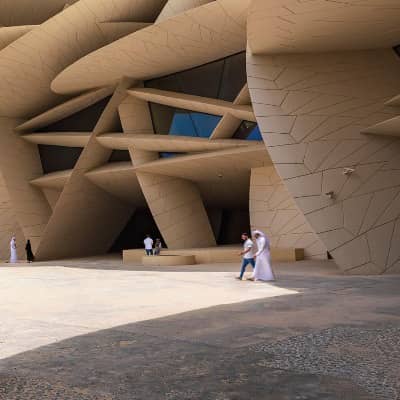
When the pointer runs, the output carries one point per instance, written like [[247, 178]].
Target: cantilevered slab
[[215, 166], [67, 139], [64, 110], [390, 127], [171, 143], [194, 37], [119, 179], [292, 26], [193, 103], [394, 102], [54, 180], [9, 34]]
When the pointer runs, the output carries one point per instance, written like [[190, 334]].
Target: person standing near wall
[[29, 254], [13, 250], [148, 245]]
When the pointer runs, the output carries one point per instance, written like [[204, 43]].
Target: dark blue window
[[175, 121]]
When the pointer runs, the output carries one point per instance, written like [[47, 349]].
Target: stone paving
[[328, 337]]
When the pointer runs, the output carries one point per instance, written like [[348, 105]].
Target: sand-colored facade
[[198, 119]]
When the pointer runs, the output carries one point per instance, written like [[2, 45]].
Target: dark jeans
[[246, 262], [149, 252]]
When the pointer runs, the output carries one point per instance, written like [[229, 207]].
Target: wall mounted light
[[348, 171], [330, 194]]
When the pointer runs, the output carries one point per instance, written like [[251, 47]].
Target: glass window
[[175, 121], [248, 131]]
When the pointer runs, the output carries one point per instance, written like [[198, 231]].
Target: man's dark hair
[[245, 234]]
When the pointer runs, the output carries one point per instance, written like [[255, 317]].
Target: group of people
[[260, 260], [14, 254], [151, 248]]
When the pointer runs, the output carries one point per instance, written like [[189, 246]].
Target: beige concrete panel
[[172, 143], [67, 139], [52, 196], [11, 33], [92, 228], [274, 211], [64, 110], [119, 179], [19, 164], [292, 26], [8, 224], [218, 166], [115, 30], [356, 188], [33, 61], [136, 119], [175, 7], [390, 127], [178, 210], [194, 103], [54, 180], [214, 30]]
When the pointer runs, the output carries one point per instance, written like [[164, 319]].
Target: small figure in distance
[[247, 254], [148, 245], [13, 250], [157, 247], [29, 254]]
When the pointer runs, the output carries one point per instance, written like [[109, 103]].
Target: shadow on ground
[[339, 339]]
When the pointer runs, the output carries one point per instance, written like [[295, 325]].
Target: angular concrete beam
[[169, 143], [54, 180], [390, 127], [66, 139], [64, 110], [194, 103]]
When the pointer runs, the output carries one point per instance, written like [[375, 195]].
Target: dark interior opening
[[132, 236], [58, 158], [119, 156], [229, 224], [83, 121]]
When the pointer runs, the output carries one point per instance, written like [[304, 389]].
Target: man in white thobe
[[263, 270], [13, 250]]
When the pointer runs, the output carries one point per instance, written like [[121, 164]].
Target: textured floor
[[319, 336]]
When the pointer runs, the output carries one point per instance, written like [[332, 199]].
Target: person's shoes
[[238, 278], [250, 279]]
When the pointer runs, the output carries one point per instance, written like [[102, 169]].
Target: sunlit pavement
[[94, 329]]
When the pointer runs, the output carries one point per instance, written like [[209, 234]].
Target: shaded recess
[[58, 158], [119, 156], [82, 121], [134, 232], [222, 79], [248, 130], [232, 223]]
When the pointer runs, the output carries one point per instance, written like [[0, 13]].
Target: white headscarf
[[257, 232]]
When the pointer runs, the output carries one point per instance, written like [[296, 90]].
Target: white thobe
[[13, 251], [263, 270]]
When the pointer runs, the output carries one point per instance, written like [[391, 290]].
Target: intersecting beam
[[390, 127], [171, 143], [64, 110], [194, 103], [67, 139]]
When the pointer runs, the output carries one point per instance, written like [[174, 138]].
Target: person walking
[[247, 254], [262, 270], [29, 254], [148, 245], [13, 250]]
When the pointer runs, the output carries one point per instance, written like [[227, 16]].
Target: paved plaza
[[94, 329]]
